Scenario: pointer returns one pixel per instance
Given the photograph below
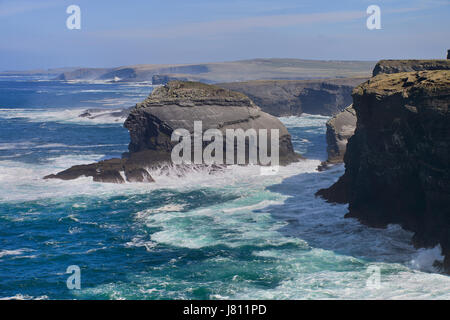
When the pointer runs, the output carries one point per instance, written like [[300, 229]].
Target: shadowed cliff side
[[293, 97], [339, 129], [398, 161]]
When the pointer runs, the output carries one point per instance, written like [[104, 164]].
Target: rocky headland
[[397, 163], [396, 66], [177, 105], [294, 97]]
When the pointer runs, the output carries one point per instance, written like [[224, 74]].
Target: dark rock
[[337, 193], [110, 176], [179, 104], [164, 79], [396, 66], [398, 161], [103, 171], [85, 114], [339, 129], [138, 175]]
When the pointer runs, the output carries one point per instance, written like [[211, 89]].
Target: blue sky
[[114, 32]]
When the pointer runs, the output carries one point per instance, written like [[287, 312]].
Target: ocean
[[232, 234]]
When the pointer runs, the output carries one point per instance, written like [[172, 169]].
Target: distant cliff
[[396, 66], [294, 97], [397, 164], [215, 72]]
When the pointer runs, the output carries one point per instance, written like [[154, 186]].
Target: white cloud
[[16, 7], [236, 25]]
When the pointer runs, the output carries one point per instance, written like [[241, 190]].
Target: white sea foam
[[20, 296], [15, 252], [306, 120], [425, 259], [62, 115], [23, 181], [34, 145]]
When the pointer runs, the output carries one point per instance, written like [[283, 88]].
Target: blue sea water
[[227, 235]]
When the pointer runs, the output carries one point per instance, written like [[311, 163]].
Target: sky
[[114, 33]]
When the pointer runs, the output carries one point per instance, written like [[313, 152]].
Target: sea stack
[[178, 105], [339, 129]]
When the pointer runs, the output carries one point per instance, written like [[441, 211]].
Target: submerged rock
[[178, 105], [115, 114], [112, 171], [398, 161]]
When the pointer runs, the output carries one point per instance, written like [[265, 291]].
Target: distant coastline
[[214, 72]]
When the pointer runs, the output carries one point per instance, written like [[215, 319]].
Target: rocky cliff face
[[396, 66], [339, 129], [398, 161], [163, 79], [178, 105], [294, 97]]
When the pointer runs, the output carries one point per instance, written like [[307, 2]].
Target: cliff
[[178, 105], [339, 129], [215, 72], [396, 66], [397, 164], [294, 97]]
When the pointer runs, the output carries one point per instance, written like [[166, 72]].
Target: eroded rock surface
[[339, 129], [398, 161], [178, 105], [396, 66], [295, 97]]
